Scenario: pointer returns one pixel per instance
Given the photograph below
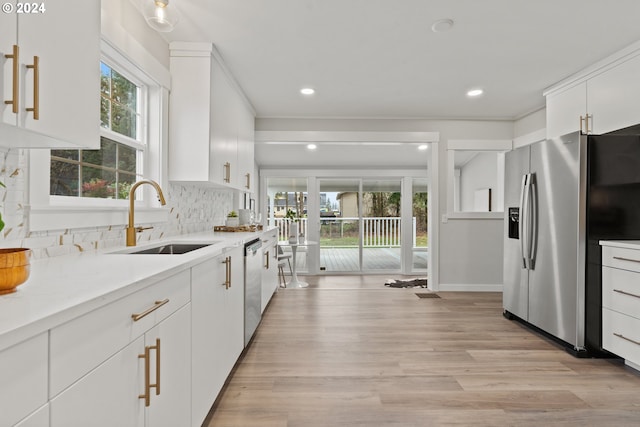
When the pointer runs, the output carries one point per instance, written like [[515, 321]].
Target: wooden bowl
[[14, 268]]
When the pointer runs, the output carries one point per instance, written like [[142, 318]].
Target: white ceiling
[[380, 59]]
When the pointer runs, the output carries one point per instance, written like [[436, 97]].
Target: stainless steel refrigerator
[[562, 196]]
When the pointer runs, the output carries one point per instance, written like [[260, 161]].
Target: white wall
[[480, 172], [470, 254]]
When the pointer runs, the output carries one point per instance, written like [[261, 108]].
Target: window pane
[[65, 154], [125, 181], [105, 79], [123, 91], [64, 178], [98, 183], [105, 112], [127, 159], [123, 121]]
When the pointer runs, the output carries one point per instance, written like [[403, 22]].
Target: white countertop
[[625, 244], [62, 288]]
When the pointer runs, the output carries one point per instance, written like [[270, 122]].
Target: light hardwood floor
[[350, 352]]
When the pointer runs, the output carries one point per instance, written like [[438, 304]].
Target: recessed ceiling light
[[307, 91], [442, 25], [423, 147], [312, 146], [475, 92]]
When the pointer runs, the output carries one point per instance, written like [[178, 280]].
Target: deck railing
[[377, 231]]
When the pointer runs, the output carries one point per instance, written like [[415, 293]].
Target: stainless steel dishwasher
[[252, 288]]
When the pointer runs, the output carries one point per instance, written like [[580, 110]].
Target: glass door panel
[[381, 231], [284, 195], [339, 225], [420, 215]]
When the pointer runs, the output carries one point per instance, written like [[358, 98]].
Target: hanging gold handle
[[157, 305], [229, 270], [248, 176], [227, 172], [147, 372], [226, 263], [267, 256], [36, 88], [16, 72], [626, 338], [586, 123]]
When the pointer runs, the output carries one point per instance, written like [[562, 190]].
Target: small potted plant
[[232, 219], [14, 265], [293, 226]]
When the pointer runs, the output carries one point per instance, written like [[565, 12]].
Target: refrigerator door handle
[[533, 236], [523, 219]]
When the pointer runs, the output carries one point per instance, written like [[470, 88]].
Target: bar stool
[[281, 258]]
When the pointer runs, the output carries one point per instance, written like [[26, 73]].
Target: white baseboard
[[470, 287]]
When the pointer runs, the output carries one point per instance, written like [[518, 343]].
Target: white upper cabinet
[[55, 75], [566, 110], [211, 129], [614, 97], [603, 98]]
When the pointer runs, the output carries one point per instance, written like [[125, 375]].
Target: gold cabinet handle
[[229, 269], [626, 293], [36, 88], [626, 339], [227, 172], [585, 120], [226, 263], [267, 257], [156, 305], [147, 372], [248, 176], [16, 72]]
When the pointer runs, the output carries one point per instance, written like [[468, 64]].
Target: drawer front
[[621, 335], [621, 291], [82, 344], [626, 259], [23, 379], [270, 237]]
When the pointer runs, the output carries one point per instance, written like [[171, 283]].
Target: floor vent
[[427, 295]]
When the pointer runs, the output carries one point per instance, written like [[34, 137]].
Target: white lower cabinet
[[139, 353], [23, 379], [217, 295]]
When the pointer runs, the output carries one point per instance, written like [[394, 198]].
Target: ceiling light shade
[[160, 15], [442, 25], [312, 146], [307, 91], [423, 147], [475, 92]]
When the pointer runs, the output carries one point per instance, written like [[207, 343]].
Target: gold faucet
[[131, 230]]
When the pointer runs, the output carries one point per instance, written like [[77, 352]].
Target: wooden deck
[[374, 259]]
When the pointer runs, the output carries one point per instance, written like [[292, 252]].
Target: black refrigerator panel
[[614, 187]]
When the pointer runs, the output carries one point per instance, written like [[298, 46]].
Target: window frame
[[50, 212]]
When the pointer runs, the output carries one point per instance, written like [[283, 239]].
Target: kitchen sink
[[169, 249]]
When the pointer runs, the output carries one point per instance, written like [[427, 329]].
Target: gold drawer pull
[[625, 338], [156, 306], [626, 293], [626, 259], [16, 72]]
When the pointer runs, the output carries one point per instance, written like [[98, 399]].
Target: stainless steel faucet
[[131, 230]]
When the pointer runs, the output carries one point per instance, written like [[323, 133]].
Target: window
[[107, 173]]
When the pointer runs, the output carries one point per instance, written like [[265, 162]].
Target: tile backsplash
[[192, 209]]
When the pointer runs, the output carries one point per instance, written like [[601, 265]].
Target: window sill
[[42, 218]]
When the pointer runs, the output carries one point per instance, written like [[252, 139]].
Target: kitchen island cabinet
[[52, 82]]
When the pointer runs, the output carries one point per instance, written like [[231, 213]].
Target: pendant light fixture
[[159, 15]]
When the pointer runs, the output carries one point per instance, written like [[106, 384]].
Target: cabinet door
[[23, 379], [234, 308], [66, 39], [107, 396], [8, 38], [614, 97], [224, 128], [269, 275], [564, 110], [208, 330], [171, 406], [246, 128]]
